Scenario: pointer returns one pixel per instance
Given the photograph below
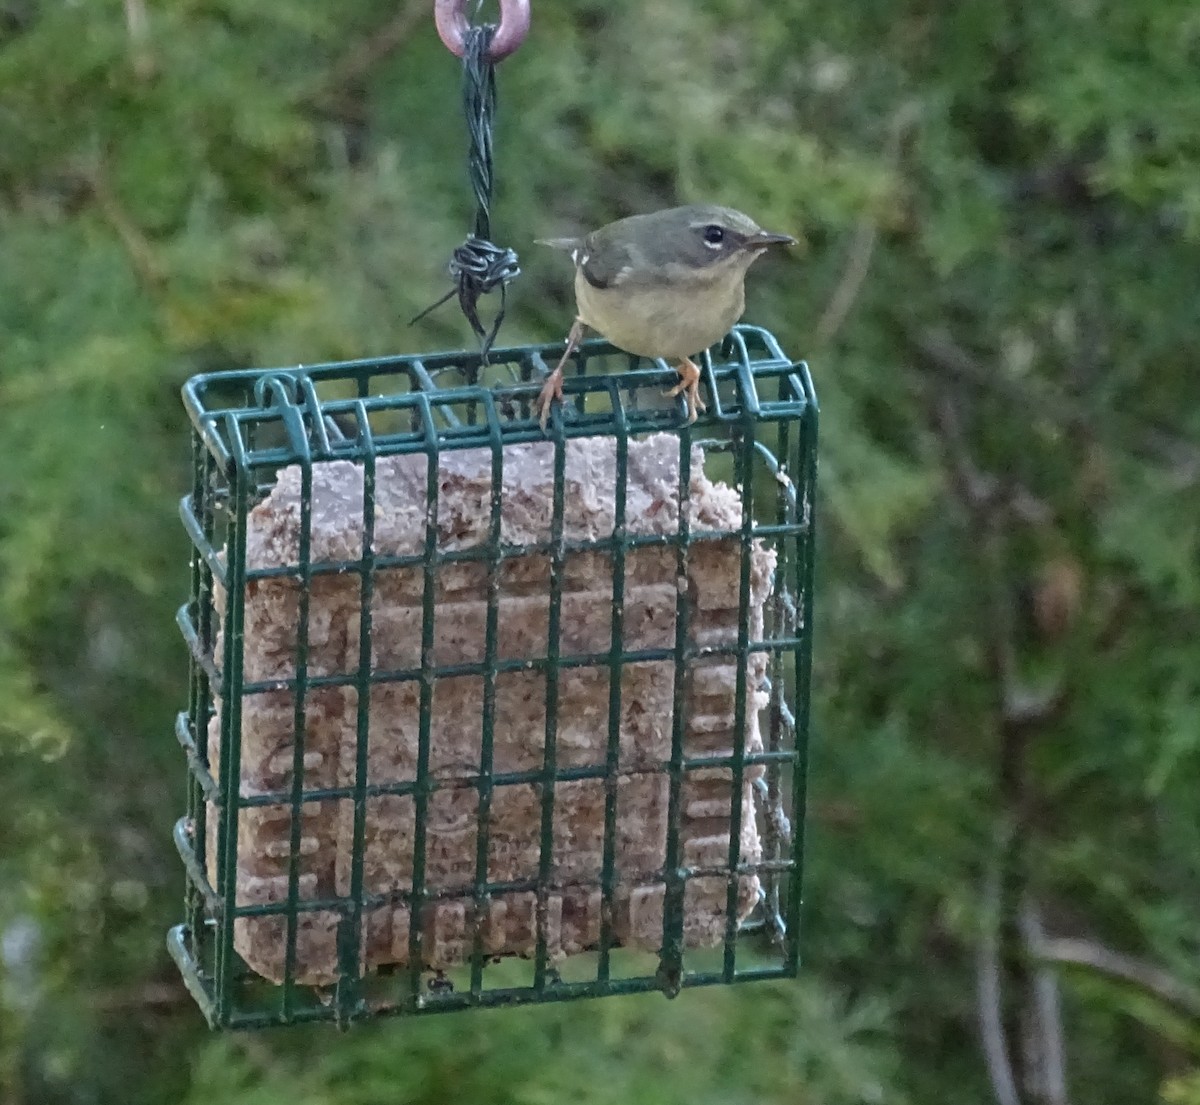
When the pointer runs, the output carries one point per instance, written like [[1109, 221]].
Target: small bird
[[667, 284]]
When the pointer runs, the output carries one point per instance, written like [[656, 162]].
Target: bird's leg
[[689, 386], [553, 387]]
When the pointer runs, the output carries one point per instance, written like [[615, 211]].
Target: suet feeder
[[481, 715]]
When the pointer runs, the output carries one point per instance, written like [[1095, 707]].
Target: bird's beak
[[765, 238]]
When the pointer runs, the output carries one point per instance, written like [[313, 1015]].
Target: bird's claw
[[552, 389], [689, 388]]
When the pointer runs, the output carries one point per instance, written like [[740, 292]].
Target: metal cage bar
[[350, 931], [428, 615], [231, 740], [488, 718], [612, 752], [299, 730], [744, 452], [806, 469], [670, 963], [550, 747]]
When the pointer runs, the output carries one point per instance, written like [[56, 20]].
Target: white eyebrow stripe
[[741, 231]]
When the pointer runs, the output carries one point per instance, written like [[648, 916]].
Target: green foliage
[[637, 1051], [1000, 210]]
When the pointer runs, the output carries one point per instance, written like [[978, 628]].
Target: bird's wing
[[604, 263]]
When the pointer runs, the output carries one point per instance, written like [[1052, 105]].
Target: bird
[[664, 284]]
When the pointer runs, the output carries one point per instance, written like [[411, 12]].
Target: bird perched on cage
[[666, 284]]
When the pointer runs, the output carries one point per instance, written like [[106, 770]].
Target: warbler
[[667, 284]]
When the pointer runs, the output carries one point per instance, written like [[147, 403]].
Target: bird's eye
[[714, 235]]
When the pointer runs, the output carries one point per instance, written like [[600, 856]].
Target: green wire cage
[[484, 715]]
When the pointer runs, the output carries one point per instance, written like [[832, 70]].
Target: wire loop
[[453, 26], [479, 266]]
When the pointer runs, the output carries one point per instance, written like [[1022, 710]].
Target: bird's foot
[[689, 388], [552, 389]]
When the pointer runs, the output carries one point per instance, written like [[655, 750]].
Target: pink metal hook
[[452, 26]]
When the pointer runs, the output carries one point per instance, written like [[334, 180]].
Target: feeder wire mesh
[[253, 431]]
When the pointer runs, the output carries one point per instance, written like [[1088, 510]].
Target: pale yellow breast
[[671, 322]]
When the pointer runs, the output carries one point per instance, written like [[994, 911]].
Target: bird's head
[[701, 240]]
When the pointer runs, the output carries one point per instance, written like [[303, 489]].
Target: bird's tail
[[568, 245]]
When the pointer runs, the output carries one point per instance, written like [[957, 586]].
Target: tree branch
[[1012, 999], [858, 262], [989, 996], [151, 995], [1079, 952], [979, 491], [949, 359], [1046, 1049], [137, 23], [360, 59], [141, 254]]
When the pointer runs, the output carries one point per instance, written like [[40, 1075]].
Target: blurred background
[[998, 293]]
